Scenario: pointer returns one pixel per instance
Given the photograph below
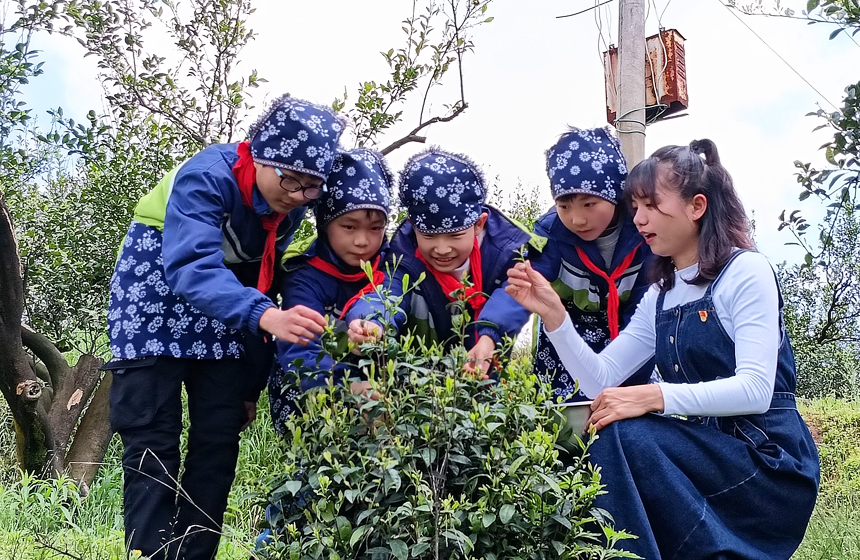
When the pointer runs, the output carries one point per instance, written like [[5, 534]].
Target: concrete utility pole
[[631, 90]]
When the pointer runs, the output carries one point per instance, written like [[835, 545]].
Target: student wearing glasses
[[191, 303]]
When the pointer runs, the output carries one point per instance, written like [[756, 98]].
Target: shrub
[[836, 425], [440, 466], [834, 530]]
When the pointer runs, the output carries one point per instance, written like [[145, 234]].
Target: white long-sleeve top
[[747, 303]]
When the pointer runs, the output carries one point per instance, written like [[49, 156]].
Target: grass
[[45, 518], [48, 519], [834, 531]]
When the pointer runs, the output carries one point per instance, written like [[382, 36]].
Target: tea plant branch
[[428, 482]]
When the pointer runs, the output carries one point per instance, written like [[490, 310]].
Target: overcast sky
[[532, 74]]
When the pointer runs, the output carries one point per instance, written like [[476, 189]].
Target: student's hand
[[480, 358], [363, 388], [534, 292], [620, 403], [361, 331], [298, 324], [250, 414]]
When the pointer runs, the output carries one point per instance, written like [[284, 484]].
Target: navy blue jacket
[[185, 279], [300, 368], [305, 285]]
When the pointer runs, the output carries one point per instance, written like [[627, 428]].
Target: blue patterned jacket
[[300, 368], [184, 279], [585, 294]]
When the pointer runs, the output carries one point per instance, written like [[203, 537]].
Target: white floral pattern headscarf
[[359, 179], [297, 135], [587, 161], [442, 192]]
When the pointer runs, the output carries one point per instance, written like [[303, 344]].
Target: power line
[[799, 75], [583, 11], [664, 10], [657, 15], [598, 20]]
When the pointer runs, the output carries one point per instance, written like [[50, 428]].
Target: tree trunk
[[18, 382], [46, 399], [92, 438]]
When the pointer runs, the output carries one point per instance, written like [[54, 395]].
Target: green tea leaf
[[358, 534], [399, 549]]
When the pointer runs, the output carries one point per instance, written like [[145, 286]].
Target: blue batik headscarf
[[359, 179], [442, 192], [297, 135], [587, 161]]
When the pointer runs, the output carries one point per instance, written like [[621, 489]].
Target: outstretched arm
[[595, 372]]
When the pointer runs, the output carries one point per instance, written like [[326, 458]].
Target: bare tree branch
[[413, 136]]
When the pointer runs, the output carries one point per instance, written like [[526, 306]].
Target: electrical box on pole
[[665, 77]]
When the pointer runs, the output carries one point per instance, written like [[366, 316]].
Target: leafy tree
[[44, 419], [524, 203], [72, 189], [71, 218], [437, 39], [200, 96], [823, 294], [844, 14]]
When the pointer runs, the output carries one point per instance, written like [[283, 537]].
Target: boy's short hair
[[372, 213], [568, 198], [369, 213]]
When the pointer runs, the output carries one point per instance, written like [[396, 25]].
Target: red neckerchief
[[246, 176], [450, 284], [614, 301], [331, 270]]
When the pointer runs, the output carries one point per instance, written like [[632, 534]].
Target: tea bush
[[433, 464]]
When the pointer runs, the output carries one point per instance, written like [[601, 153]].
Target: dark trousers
[[163, 519]]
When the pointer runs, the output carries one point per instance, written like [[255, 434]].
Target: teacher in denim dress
[[715, 460]]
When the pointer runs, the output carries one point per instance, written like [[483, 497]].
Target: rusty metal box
[[668, 93]]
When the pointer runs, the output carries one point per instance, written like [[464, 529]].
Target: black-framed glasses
[[291, 184]]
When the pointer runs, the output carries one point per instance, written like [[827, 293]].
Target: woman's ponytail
[[706, 148]]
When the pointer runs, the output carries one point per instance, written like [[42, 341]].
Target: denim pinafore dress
[[740, 487]]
